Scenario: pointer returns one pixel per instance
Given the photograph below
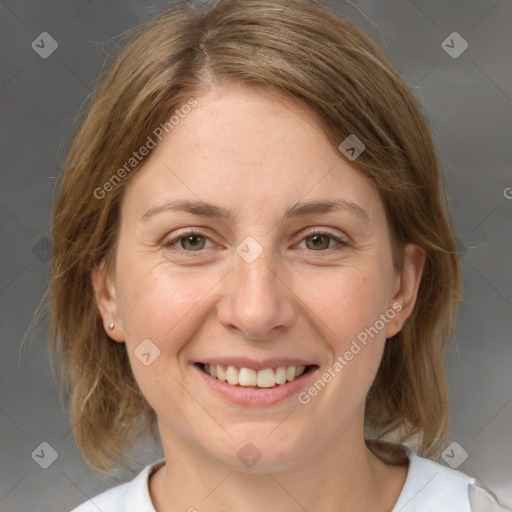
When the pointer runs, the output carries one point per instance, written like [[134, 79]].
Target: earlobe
[[407, 287], [106, 300]]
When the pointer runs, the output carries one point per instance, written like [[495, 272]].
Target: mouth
[[244, 377]]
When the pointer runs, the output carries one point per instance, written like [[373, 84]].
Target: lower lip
[[253, 395]]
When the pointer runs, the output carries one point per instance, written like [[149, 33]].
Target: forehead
[[250, 153]]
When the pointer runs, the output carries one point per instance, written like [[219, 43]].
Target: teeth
[[221, 373], [281, 375], [232, 375], [266, 378], [246, 376]]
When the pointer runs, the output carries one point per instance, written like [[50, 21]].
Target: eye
[[320, 240], [191, 241]]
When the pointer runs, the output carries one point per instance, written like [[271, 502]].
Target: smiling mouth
[[248, 377]]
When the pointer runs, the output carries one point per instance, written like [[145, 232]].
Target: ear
[[106, 301], [406, 287]]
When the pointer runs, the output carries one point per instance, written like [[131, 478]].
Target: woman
[[253, 252]]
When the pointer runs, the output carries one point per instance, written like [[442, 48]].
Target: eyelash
[[170, 243]]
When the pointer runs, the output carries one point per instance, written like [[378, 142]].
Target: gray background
[[469, 103]]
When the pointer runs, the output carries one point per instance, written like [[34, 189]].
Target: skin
[[243, 150]]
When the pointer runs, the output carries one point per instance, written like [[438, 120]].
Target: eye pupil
[[318, 242], [192, 240]]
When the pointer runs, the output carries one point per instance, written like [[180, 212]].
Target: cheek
[[345, 302], [163, 306], [345, 307], [162, 303]]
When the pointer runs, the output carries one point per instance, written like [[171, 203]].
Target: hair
[[289, 49]]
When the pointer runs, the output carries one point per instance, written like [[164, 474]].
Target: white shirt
[[429, 487]]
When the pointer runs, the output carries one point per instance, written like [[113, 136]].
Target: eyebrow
[[298, 209]]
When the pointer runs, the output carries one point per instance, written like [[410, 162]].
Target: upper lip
[[260, 364]]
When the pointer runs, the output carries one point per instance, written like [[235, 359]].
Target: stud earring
[[111, 326]]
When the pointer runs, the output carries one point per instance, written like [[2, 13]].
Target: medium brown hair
[[287, 48]]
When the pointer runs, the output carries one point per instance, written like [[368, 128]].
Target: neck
[[337, 477]]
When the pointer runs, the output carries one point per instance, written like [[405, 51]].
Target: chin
[[258, 448]]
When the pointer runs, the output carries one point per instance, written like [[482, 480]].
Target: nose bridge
[[257, 276], [255, 264], [257, 301]]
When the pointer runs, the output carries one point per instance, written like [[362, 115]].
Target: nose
[[258, 301]]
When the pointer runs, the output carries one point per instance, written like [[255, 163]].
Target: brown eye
[[194, 242], [189, 242], [321, 241]]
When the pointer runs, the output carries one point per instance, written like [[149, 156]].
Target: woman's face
[[248, 284]]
